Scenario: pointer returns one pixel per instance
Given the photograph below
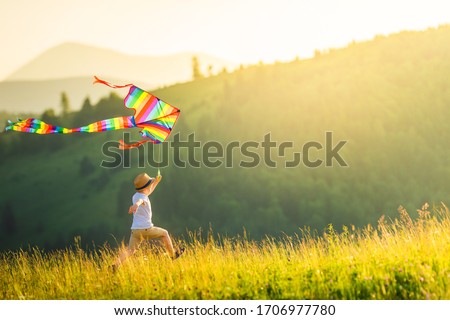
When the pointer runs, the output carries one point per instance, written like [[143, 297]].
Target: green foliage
[[196, 71], [65, 104], [86, 166], [8, 220], [387, 97]]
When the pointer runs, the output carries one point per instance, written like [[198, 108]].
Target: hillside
[[69, 68], [37, 96], [388, 98]]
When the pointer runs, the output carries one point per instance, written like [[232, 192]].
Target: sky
[[243, 31]]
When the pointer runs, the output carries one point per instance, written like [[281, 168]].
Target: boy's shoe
[[178, 253]]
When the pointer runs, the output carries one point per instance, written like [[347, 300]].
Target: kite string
[[159, 172], [159, 162]]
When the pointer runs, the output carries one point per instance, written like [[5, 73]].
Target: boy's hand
[[158, 178], [134, 207]]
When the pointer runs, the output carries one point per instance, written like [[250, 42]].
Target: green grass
[[401, 259]]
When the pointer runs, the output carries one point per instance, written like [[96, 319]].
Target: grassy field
[[401, 259]]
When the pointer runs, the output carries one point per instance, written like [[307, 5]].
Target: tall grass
[[401, 259]]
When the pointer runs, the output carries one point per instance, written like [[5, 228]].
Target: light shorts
[[139, 235]]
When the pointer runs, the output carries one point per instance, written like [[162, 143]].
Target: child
[[142, 227]]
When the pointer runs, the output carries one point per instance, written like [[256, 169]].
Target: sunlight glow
[[240, 31]]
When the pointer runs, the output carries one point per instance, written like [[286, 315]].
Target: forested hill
[[389, 98]]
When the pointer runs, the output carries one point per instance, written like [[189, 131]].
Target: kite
[[153, 116]]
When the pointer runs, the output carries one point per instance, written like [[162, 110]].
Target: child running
[[142, 227]]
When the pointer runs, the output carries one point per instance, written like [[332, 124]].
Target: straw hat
[[141, 181]]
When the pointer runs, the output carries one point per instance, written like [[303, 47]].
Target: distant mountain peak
[[72, 59]]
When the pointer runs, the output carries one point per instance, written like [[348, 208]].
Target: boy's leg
[[137, 236], [155, 232], [135, 240]]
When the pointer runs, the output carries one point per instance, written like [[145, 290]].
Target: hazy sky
[[238, 30]]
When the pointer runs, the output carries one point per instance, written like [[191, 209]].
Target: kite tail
[[33, 125], [98, 80], [124, 146]]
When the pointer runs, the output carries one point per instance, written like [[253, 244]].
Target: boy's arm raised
[[154, 184]]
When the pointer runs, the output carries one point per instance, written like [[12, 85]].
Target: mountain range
[[69, 68]]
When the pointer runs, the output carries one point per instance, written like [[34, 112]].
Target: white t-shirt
[[142, 218]]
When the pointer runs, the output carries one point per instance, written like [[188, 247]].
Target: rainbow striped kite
[[153, 116]]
